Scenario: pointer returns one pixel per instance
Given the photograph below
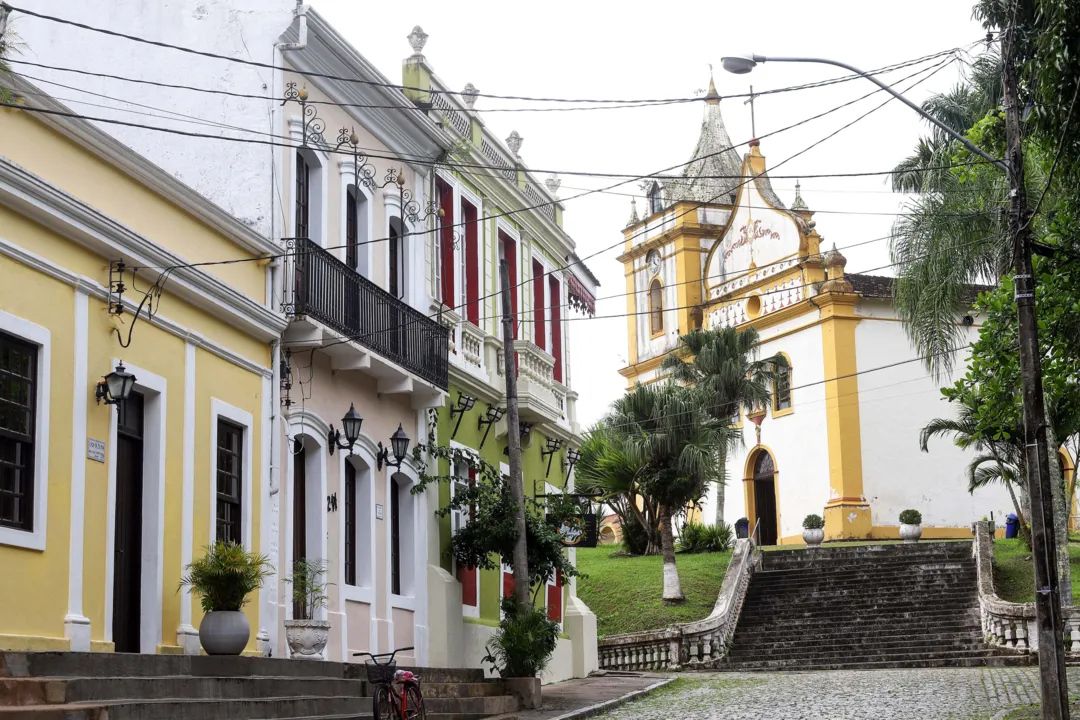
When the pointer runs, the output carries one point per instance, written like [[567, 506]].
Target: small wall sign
[[378, 511], [95, 449]]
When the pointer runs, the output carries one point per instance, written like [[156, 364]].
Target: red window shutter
[[511, 261], [472, 261], [508, 584], [446, 241], [554, 599], [555, 303], [540, 333], [466, 575]]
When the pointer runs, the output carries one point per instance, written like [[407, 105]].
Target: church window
[[656, 308], [656, 202], [782, 388]]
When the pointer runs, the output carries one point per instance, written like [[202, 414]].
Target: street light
[[350, 424], [742, 64], [399, 442], [115, 387]]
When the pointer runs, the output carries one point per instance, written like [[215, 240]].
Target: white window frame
[[464, 195], [223, 410], [364, 522], [456, 521], [408, 534], [318, 213], [40, 336], [545, 300], [554, 490], [364, 226]]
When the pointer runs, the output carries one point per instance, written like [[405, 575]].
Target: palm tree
[[672, 438], [723, 365]]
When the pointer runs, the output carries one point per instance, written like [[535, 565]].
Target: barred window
[[230, 473], [18, 387]]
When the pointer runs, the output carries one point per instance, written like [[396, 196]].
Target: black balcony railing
[[329, 291]]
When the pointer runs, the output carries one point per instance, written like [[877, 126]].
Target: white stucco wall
[[236, 176], [894, 405]]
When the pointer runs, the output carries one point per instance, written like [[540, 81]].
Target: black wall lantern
[[572, 456], [494, 415], [399, 443], [115, 387], [464, 404], [350, 424], [552, 447], [524, 429]]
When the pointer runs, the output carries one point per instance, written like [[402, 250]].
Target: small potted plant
[[223, 578], [910, 526], [521, 648], [307, 636], [813, 530]]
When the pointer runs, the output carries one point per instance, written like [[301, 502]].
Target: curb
[[593, 710]]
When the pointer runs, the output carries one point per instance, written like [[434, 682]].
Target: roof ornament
[[553, 184], [799, 203], [468, 95], [417, 38], [712, 97], [634, 219], [513, 141]]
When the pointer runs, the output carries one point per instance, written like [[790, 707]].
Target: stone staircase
[[106, 686], [862, 607]]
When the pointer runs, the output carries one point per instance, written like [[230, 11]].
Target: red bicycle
[[397, 692]]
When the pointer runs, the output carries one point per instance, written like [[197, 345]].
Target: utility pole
[[513, 439], [1053, 685]]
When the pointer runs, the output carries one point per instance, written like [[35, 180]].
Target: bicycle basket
[[381, 674]]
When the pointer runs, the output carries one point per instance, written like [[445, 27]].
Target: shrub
[[719, 538], [692, 537], [635, 540], [697, 538], [911, 517], [524, 643], [813, 522], [225, 576], [308, 588]]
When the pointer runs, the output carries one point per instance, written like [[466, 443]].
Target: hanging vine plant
[[488, 538]]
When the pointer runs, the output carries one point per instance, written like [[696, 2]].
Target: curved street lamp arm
[[949, 131]]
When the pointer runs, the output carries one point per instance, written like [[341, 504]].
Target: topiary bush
[[813, 522], [524, 643], [911, 517]]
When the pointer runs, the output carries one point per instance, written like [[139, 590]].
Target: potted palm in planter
[[521, 648], [307, 636], [813, 530], [223, 578], [910, 526]]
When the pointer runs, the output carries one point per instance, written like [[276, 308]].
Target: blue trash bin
[[742, 528], [1012, 526]]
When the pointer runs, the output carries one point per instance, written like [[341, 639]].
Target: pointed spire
[[799, 203], [712, 97], [634, 219]]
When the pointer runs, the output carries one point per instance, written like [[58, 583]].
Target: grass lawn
[[1014, 575], [625, 592]]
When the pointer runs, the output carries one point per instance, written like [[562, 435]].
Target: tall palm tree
[[723, 365], [673, 438]]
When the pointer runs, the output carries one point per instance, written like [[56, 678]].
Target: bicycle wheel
[[414, 704], [382, 707]]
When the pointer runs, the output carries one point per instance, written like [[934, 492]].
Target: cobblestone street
[[931, 694]]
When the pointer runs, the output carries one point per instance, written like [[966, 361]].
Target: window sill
[[22, 539], [656, 335], [358, 593], [782, 413], [403, 602]]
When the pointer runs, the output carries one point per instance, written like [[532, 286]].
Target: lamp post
[[1054, 688]]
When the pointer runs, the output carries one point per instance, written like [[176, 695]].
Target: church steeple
[[712, 97]]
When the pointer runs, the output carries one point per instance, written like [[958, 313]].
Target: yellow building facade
[[102, 505], [718, 248]]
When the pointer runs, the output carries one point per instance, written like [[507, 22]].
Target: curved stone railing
[[700, 644], [1009, 625]]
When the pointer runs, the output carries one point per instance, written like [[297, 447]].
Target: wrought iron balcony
[[320, 287]]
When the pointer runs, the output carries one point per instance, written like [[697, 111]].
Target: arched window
[[656, 307], [782, 388], [763, 466], [308, 221], [395, 280], [656, 202], [303, 196]]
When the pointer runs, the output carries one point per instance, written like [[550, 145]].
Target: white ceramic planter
[[307, 638], [910, 533], [224, 632], [813, 536]]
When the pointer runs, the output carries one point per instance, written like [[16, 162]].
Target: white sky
[[609, 50]]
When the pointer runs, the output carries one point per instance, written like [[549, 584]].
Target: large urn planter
[[813, 531], [910, 526], [224, 632], [307, 638]]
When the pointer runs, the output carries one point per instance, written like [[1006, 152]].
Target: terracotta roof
[[881, 286]]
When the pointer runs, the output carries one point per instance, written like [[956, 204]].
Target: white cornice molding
[[30, 195], [142, 170], [99, 291]]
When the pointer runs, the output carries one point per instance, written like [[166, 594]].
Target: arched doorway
[[763, 497]]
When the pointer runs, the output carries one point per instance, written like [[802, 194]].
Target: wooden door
[[127, 542], [299, 502]]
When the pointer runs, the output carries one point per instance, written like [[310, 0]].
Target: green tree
[[723, 365], [672, 439]]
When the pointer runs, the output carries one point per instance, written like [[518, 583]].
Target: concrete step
[[949, 662], [857, 569], [69, 664], [90, 690], [849, 613], [842, 652], [856, 563], [760, 646], [883, 632]]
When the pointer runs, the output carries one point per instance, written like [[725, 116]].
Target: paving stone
[[927, 694]]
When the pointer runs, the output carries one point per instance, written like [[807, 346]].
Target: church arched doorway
[[762, 496]]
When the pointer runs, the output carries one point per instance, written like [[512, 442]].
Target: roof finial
[[553, 184], [799, 203], [712, 97], [417, 39], [634, 219]]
